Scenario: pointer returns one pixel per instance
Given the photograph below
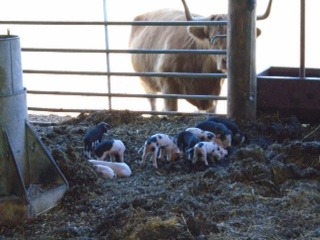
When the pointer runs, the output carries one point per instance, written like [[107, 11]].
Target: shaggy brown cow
[[180, 37]]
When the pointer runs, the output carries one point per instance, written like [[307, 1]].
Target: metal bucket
[[26, 168]]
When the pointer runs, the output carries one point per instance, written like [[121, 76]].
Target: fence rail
[[125, 51], [119, 23], [110, 73]]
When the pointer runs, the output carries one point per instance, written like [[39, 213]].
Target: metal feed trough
[[291, 91], [282, 90], [30, 181]]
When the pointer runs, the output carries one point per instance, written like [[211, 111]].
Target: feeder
[[291, 91], [281, 90], [30, 180]]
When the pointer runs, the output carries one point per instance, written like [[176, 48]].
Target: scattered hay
[[267, 188]]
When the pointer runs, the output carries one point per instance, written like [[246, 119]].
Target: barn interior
[[268, 187]]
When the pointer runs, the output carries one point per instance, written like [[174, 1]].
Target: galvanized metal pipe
[[119, 23], [126, 51], [302, 38], [172, 113], [13, 100], [136, 51], [128, 95], [130, 74], [106, 39], [241, 60]]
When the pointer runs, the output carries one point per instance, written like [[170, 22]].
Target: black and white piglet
[[112, 148], [238, 136], [94, 137], [219, 129], [202, 134], [203, 151], [162, 143], [187, 140]]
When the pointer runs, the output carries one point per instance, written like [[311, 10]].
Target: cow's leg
[[150, 88], [217, 91], [153, 102], [168, 87], [170, 104]]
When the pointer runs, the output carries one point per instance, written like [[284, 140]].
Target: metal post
[[302, 39], [107, 48], [242, 83]]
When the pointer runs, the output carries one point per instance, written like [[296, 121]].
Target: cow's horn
[[187, 11], [267, 13]]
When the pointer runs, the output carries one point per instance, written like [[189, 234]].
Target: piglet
[[112, 148], [94, 137], [202, 134], [238, 136], [219, 129], [185, 141], [162, 143], [121, 169], [105, 171], [203, 151]]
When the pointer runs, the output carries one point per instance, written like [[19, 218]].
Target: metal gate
[[106, 95]]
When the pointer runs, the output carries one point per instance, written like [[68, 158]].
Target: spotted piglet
[[201, 134], [219, 129], [208, 150], [162, 143], [112, 148], [94, 137]]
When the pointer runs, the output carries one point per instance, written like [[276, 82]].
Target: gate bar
[[302, 38], [106, 38], [122, 23], [125, 51]]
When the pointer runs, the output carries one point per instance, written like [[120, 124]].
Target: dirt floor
[[267, 188]]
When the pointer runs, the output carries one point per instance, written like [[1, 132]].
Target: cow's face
[[212, 37]]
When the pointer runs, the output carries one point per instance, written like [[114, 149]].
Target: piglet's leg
[[205, 159], [154, 160], [195, 157], [121, 155], [219, 156], [162, 152], [168, 155], [144, 157], [104, 156]]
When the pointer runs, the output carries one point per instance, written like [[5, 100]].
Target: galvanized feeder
[[30, 180]]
